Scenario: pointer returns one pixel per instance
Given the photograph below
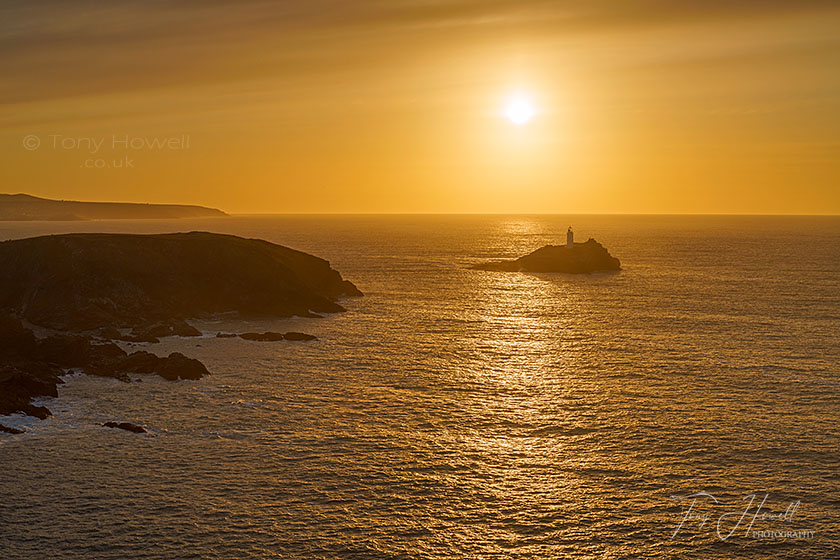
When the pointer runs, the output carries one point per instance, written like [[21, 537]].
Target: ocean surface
[[455, 413]]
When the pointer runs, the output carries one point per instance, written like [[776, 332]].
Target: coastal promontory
[[80, 282], [577, 258], [64, 299]]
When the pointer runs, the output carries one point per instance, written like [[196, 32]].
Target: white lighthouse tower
[[570, 238]]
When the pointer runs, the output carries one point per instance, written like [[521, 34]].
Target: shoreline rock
[[8, 430], [151, 333], [127, 426], [94, 287], [31, 367]]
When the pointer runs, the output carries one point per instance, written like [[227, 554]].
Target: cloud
[[57, 49]]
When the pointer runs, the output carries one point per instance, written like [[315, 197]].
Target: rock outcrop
[[150, 333], [582, 258], [299, 336], [31, 367], [80, 282], [127, 426], [8, 430]]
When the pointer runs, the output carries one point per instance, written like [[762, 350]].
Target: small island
[[572, 258]]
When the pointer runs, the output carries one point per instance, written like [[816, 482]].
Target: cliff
[[22, 207], [582, 258], [80, 282], [151, 283]]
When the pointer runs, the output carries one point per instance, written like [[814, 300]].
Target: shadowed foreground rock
[[79, 282], [127, 426], [109, 283], [32, 367], [582, 258], [174, 367]]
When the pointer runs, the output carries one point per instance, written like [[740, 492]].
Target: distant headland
[[572, 258], [24, 207]]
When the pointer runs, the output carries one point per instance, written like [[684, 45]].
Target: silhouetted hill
[[23, 207], [87, 281], [581, 258], [81, 282]]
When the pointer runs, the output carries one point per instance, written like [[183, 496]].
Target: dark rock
[[299, 336], [76, 351], [149, 283], [175, 366], [24, 374], [110, 333], [106, 352], [15, 338], [263, 337], [182, 328], [19, 384], [137, 335], [78, 282], [226, 335], [140, 339], [582, 258], [151, 333], [9, 430], [31, 367], [40, 412], [127, 426], [69, 351]]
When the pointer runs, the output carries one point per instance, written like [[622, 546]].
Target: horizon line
[[734, 214]]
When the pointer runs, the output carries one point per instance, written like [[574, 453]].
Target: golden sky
[[655, 106]]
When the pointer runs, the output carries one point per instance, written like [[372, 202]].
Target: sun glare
[[519, 110]]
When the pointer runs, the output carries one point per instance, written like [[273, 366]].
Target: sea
[[687, 406]]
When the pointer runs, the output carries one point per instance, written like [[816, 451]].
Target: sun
[[519, 109]]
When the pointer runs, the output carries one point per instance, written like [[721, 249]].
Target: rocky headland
[[81, 292], [89, 281], [582, 258]]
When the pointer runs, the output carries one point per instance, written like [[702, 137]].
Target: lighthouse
[[570, 238]]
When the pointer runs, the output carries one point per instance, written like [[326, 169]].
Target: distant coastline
[[24, 207]]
